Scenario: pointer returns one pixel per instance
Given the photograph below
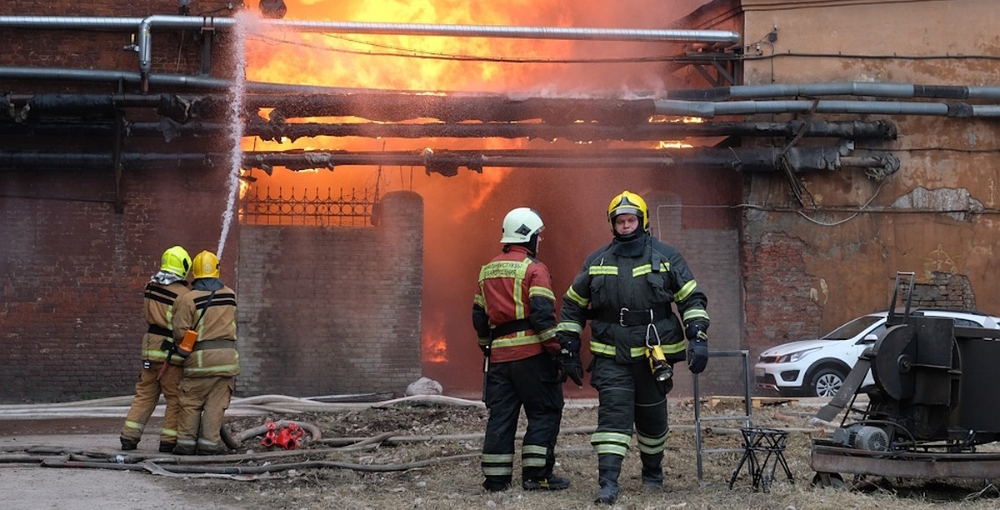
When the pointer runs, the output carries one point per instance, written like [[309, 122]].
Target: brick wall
[[712, 254], [73, 269], [332, 310]]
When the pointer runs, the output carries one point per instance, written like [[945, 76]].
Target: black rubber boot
[[128, 444], [167, 447], [652, 472], [546, 483], [496, 483], [609, 467]]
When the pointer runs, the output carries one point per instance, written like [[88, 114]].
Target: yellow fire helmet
[[628, 203], [206, 265], [176, 260]]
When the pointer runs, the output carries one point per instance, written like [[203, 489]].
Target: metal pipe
[[144, 28], [104, 76], [895, 90], [709, 110], [511, 32]]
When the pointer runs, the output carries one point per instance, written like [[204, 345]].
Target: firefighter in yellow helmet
[[513, 313], [161, 372], [626, 289], [213, 363]]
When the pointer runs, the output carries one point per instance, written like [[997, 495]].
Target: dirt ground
[[417, 455]]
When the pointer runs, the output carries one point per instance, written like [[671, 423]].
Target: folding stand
[[769, 443]]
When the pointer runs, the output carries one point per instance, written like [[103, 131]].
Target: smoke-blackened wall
[[332, 310], [78, 245]]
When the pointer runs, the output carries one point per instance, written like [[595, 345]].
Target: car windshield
[[852, 329]]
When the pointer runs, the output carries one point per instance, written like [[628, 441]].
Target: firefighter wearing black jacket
[[626, 289], [514, 316]]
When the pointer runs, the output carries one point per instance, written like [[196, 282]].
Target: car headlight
[[792, 357]]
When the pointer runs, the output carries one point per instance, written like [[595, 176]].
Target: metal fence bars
[[357, 209]]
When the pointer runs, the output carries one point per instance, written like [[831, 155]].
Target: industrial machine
[[934, 401]]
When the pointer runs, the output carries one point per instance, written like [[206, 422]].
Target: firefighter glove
[[568, 361], [697, 355], [485, 347]]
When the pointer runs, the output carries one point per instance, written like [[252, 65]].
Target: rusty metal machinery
[[933, 402]]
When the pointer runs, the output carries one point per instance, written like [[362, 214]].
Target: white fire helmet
[[520, 224]]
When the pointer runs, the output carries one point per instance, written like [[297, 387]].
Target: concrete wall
[[332, 310], [809, 270]]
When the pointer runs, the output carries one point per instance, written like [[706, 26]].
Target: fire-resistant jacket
[[215, 351], [624, 287], [515, 287], [158, 305]]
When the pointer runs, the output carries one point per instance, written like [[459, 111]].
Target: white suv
[[817, 368]]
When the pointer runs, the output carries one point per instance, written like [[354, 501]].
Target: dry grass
[[454, 484]]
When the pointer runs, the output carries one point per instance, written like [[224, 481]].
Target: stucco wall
[[806, 270]]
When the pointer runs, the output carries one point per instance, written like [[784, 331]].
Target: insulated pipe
[[708, 110], [896, 90]]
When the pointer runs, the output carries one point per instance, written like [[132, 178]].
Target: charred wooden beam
[[396, 107], [447, 163]]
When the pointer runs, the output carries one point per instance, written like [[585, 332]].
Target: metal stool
[[766, 443]]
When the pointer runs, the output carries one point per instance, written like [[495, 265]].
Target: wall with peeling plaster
[[807, 271]]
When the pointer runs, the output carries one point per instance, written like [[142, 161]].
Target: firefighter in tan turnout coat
[[212, 363], [160, 294]]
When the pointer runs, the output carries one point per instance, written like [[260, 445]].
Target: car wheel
[[826, 382]]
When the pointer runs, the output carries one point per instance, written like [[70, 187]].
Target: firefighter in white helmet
[[626, 289], [513, 313], [161, 372], [213, 363]]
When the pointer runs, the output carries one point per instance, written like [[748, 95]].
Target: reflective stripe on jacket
[[515, 287], [612, 278], [219, 323], [158, 305]]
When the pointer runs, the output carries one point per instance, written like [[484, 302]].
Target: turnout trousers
[[204, 401], [534, 384], [147, 396], [628, 398]]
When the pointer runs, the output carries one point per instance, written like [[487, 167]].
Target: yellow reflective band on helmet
[[603, 270], [570, 327], [694, 313], [581, 301], [648, 268], [541, 292], [685, 291]]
